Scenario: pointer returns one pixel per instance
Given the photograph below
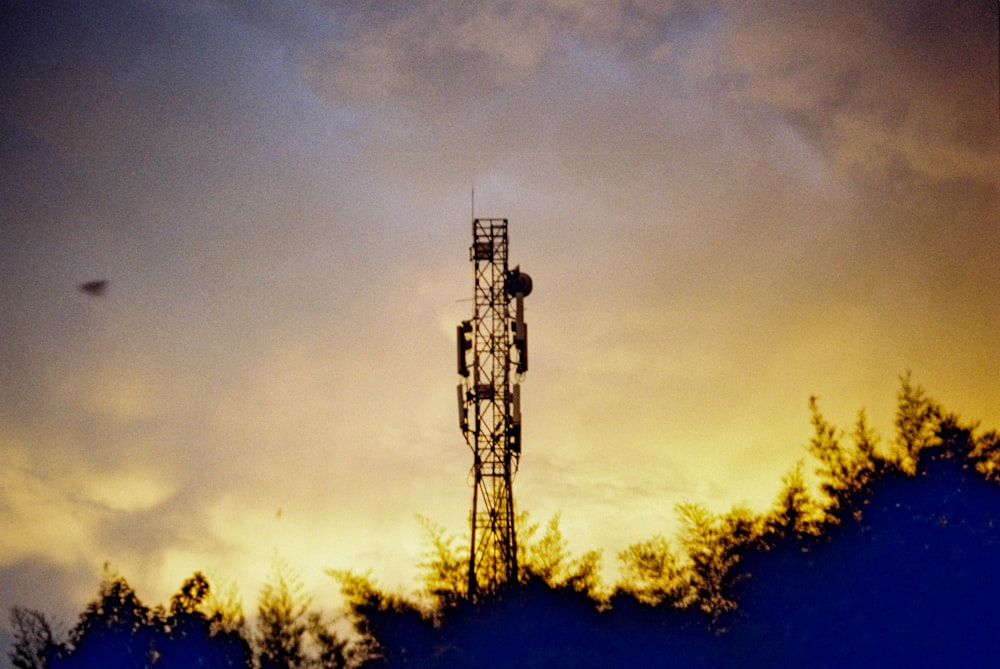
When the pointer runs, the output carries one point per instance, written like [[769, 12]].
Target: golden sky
[[726, 207]]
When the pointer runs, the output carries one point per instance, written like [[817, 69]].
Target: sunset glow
[[726, 207]]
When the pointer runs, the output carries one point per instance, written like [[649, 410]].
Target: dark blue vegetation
[[894, 562]]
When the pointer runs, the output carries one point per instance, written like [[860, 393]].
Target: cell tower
[[492, 357]]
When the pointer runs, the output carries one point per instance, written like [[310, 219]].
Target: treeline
[[895, 559], [201, 626]]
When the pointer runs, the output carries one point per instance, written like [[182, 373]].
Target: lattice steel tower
[[492, 357]]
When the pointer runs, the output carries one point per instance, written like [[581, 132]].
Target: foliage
[[986, 455], [911, 583], [794, 513], [893, 563], [713, 545], [33, 639], [699, 576], [329, 649], [223, 606], [186, 637], [445, 567], [546, 558], [917, 422], [651, 573], [281, 618], [190, 597], [845, 472], [118, 630], [115, 630], [393, 631], [288, 634], [747, 590], [549, 560]]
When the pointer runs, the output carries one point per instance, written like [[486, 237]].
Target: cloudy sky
[[726, 207]]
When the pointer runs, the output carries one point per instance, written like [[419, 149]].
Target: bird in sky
[[94, 288]]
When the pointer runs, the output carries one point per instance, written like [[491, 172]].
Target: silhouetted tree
[[713, 545], [329, 649], [986, 455], [844, 472], [894, 565], [115, 630], [223, 606], [444, 565], [118, 630], [445, 562], [545, 558], [34, 641], [282, 619], [223, 611], [917, 422], [910, 582], [187, 637], [651, 573], [393, 631], [507, 629], [698, 577], [795, 513], [549, 560]]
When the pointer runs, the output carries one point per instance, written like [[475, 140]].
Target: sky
[[726, 207]]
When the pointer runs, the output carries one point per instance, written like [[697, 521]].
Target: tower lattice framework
[[489, 403]]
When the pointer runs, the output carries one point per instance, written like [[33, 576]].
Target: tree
[[189, 637], [393, 631], [282, 621], [115, 630], [445, 567], [651, 572], [329, 650], [845, 472], [917, 422], [795, 514], [546, 558], [224, 608], [549, 559], [192, 594], [118, 630], [986, 455], [699, 576], [912, 585], [713, 545], [34, 642]]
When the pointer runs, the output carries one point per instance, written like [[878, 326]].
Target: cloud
[[877, 88], [42, 516], [49, 586], [439, 62]]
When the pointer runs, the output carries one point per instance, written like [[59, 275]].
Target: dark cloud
[[876, 87], [143, 536], [57, 589]]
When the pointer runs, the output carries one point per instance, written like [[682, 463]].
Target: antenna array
[[492, 357]]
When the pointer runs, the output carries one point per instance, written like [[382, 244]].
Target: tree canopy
[[892, 561]]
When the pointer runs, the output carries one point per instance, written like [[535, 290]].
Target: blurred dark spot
[[95, 288]]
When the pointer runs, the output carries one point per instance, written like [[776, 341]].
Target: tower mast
[[492, 357]]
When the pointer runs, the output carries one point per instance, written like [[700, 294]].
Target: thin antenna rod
[[473, 201]]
